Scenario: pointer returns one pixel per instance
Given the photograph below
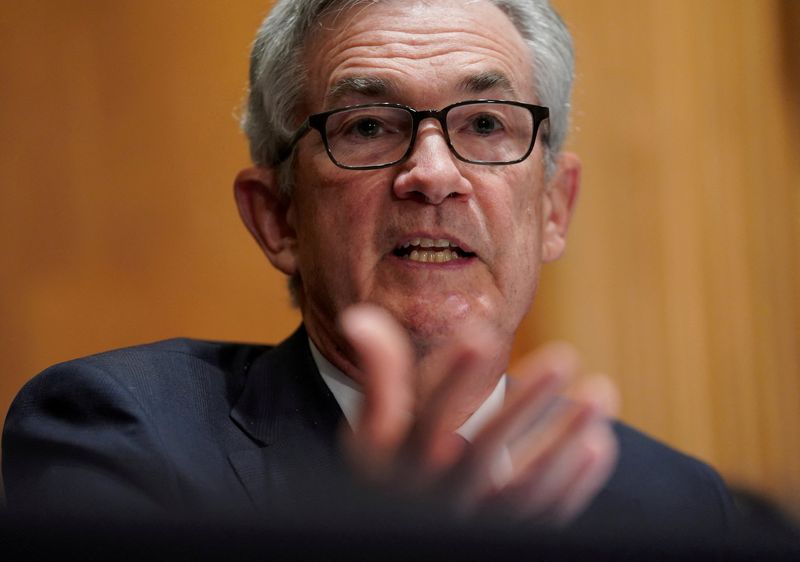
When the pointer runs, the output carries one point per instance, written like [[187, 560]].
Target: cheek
[[519, 216], [339, 214], [520, 240]]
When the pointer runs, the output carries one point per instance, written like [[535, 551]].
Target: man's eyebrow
[[478, 83], [369, 86]]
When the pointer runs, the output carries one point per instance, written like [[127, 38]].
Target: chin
[[431, 324]]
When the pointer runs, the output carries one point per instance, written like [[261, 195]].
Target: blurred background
[[119, 143]]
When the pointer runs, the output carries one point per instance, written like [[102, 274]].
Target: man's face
[[353, 228]]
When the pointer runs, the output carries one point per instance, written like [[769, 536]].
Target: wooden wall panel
[[119, 143], [682, 274], [118, 147]]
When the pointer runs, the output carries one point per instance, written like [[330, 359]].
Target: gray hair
[[277, 75]]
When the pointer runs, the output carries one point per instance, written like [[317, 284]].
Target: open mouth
[[428, 250]]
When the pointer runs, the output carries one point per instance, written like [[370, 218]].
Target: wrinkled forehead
[[390, 48]]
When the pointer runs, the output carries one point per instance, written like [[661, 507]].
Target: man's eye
[[367, 128], [485, 124]]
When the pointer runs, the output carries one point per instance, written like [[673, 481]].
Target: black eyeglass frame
[[318, 121]]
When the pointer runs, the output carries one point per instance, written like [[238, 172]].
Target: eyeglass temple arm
[[287, 148]]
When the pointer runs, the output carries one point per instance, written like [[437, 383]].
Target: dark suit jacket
[[187, 426]]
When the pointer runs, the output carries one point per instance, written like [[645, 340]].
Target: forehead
[[400, 48]]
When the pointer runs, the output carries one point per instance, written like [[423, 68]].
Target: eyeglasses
[[377, 135]]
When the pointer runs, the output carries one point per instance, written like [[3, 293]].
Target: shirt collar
[[349, 396]]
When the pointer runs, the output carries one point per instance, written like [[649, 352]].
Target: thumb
[[385, 359]]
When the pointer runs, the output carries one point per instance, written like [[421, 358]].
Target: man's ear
[[560, 197], [266, 213]]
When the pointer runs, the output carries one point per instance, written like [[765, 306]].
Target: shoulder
[[658, 488], [179, 361], [178, 352], [663, 468], [178, 381], [133, 426]]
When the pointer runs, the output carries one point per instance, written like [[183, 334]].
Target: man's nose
[[430, 173]]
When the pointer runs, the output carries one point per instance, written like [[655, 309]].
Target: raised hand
[[544, 455]]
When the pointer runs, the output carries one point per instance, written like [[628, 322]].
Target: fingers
[[561, 470], [563, 449], [600, 450], [546, 374], [469, 377], [387, 439], [543, 376], [385, 359], [600, 391]]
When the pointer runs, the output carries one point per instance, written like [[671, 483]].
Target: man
[[408, 178]]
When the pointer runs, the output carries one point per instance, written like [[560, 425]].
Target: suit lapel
[[287, 409]]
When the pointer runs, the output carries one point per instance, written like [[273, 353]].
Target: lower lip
[[452, 264]]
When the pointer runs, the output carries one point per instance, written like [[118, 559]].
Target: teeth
[[432, 256], [429, 243], [428, 250]]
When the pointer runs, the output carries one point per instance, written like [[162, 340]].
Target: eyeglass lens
[[479, 132]]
